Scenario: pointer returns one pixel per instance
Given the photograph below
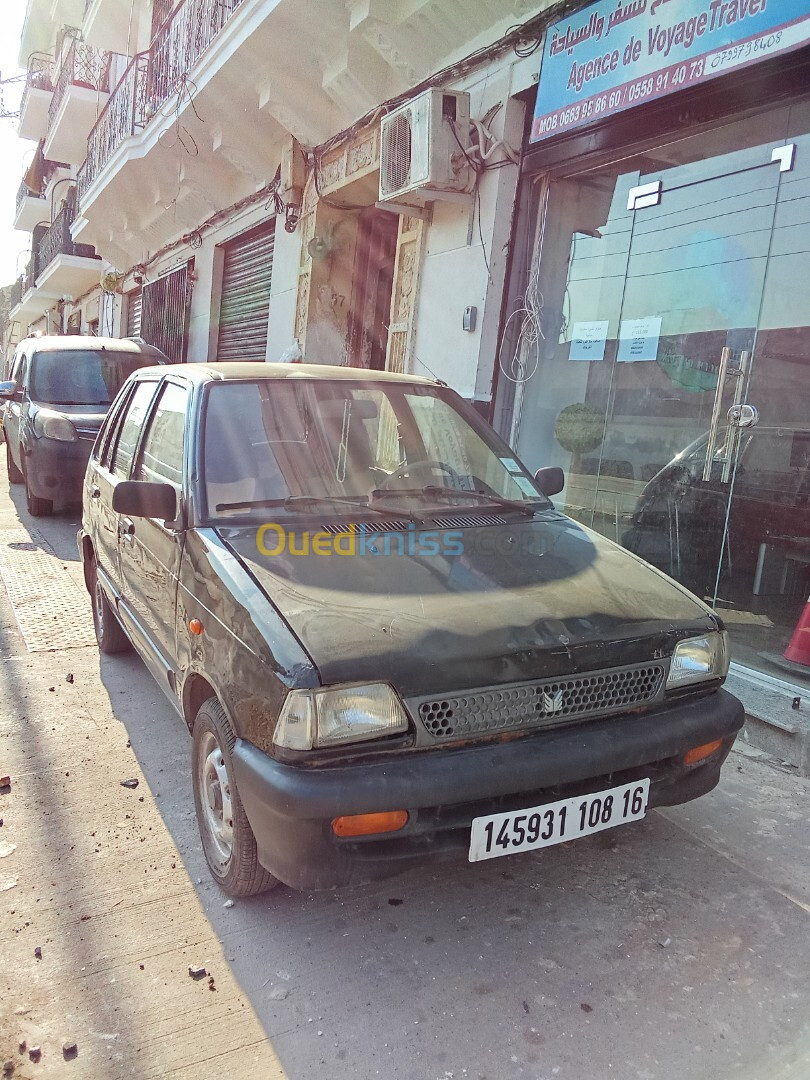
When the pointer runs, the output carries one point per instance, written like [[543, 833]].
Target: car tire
[[14, 474], [36, 507], [110, 634], [227, 838]]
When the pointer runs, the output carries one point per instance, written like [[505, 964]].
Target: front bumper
[[55, 470], [290, 809]]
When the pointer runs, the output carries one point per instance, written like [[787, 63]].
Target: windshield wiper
[[305, 500], [436, 490]]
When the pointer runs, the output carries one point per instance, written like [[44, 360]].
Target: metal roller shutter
[[165, 307], [134, 301], [245, 303]]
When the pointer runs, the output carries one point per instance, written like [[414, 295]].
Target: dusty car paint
[[438, 624]]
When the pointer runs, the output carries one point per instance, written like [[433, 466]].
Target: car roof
[[231, 371], [81, 342]]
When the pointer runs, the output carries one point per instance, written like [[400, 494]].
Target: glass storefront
[[660, 315]]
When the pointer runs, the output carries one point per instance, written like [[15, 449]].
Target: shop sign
[[615, 55]]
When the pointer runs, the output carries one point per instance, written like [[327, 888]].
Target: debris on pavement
[[664, 942], [38, 952], [228, 904], [280, 993], [211, 983], [35, 1053], [133, 783], [8, 1068], [5, 785], [197, 972], [69, 677], [70, 1049], [23, 1046]]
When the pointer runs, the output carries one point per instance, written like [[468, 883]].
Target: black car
[[385, 640], [58, 392]]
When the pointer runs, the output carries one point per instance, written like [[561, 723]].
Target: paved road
[[676, 949]]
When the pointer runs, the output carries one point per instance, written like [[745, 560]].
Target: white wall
[[284, 291], [461, 241]]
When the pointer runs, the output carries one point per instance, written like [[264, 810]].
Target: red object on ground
[[798, 651]]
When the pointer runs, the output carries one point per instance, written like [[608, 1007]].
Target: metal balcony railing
[[82, 65], [39, 77], [58, 241], [15, 294], [24, 192], [153, 77]]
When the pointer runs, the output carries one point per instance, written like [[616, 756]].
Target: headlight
[[50, 425], [699, 658], [337, 715]]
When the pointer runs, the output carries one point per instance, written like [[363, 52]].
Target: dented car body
[[386, 641]]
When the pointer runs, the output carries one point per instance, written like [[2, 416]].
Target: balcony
[[15, 294], [153, 77], [32, 302], [36, 99], [61, 266], [80, 92], [31, 209]]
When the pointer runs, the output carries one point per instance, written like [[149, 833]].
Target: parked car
[[385, 641], [58, 392]]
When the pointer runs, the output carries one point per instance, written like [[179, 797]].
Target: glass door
[[667, 367], [677, 401]]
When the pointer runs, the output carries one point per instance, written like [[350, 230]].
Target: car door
[[150, 550], [114, 465]]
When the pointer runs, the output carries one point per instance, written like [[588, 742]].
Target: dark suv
[[58, 393], [385, 640]]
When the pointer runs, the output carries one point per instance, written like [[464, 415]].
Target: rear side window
[[82, 376], [131, 428], [161, 456]]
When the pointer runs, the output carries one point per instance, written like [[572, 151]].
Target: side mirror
[[142, 498], [7, 390], [551, 480]]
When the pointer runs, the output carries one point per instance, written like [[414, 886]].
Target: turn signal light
[[698, 753], [367, 824]]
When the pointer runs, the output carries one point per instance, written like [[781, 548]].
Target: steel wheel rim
[[215, 797]]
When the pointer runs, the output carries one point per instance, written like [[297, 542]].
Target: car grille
[[545, 702]]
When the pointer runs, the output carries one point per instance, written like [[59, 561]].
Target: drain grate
[[52, 610]]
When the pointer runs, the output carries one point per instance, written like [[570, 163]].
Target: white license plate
[[555, 823]]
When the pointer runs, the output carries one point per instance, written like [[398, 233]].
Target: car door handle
[[126, 529]]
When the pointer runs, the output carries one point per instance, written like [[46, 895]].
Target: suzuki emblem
[[552, 703]]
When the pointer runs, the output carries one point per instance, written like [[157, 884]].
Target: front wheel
[[14, 474], [227, 838], [36, 507]]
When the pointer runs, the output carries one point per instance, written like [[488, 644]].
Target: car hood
[[83, 416], [525, 599]]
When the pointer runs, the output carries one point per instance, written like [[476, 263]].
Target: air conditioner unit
[[423, 149]]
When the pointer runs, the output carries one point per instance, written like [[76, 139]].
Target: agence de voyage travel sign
[[621, 53]]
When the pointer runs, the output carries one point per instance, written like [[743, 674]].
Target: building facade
[[611, 258]]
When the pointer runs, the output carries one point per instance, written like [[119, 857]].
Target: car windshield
[[82, 376], [301, 445]]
